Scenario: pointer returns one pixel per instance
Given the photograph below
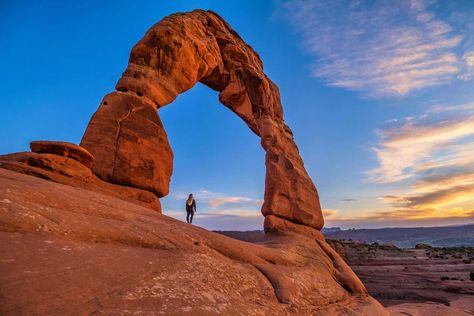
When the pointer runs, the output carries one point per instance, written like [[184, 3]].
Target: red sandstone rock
[[126, 259], [274, 224], [130, 144], [71, 172], [423, 274], [64, 149], [343, 272]]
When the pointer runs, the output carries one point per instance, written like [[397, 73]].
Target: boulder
[[70, 172], [64, 149]]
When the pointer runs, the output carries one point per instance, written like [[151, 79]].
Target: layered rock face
[[71, 165], [63, 149], [129, 142]]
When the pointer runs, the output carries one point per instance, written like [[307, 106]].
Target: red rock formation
[[129, 142], [65, 250], [64, 149], [140, 261], [59, 162], [422, 274]]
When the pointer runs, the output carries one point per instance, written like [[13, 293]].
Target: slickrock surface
[[67, 250], [129, 142], [64, 149], [71, 172], [423, 281]]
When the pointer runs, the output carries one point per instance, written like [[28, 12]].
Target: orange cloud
[[412, 148], [329, 212], [434, 156]]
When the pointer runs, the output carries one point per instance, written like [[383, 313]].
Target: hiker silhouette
[[190, 208]]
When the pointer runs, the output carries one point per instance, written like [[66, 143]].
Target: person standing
[[190, 208]]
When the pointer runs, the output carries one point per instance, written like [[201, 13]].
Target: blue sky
[[379, 95]]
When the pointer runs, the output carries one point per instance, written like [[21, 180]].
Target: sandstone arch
[[130, 144]]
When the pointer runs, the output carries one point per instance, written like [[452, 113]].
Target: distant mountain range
[[442, 236]]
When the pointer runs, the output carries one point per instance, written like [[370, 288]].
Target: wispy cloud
[[234, 202], [468, 58], [379, 47], [215, 205], [329, 213], [219, 213], [439, 138], [433, 156], [223, 219]]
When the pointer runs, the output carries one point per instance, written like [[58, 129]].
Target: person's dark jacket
[[192, 207]]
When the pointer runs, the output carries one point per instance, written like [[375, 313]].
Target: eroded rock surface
[[69, 171], [64, 149], [414, 276], [66, 250], [127, 137]]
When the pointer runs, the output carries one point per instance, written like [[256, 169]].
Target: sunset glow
[[379, 95]]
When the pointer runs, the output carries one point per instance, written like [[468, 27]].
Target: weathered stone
[[127, 259], [65, 149], [70, 172], [277, 225], [129, 142], [343, 273]]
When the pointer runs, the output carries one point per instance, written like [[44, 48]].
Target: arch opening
[[128, 139], [217, 158]]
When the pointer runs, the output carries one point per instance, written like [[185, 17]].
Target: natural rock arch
[[128, 140]]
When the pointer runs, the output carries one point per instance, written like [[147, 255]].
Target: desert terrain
[[67, 250], [421, 274], [82, 230], [412, 281]]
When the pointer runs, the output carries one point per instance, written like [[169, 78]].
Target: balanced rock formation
[[129, 142]]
